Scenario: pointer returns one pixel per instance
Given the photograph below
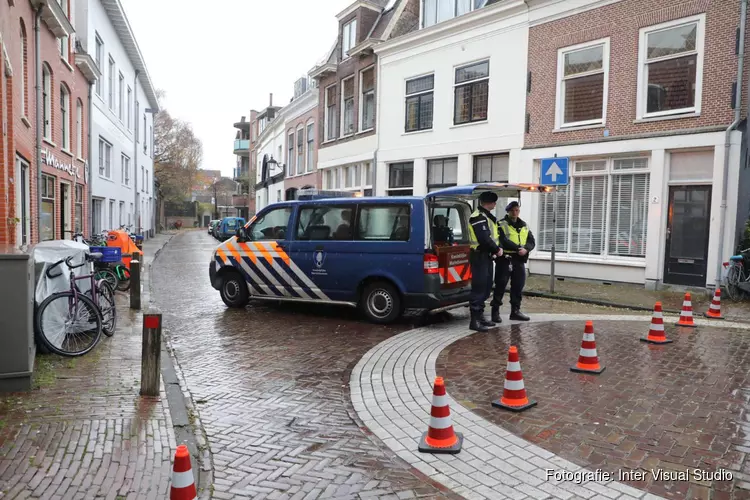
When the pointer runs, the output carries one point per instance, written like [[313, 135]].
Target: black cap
[[512, 205], [487, 197]]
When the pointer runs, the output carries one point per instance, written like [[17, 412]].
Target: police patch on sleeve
[[484, 227]]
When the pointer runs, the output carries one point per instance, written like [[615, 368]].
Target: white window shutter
[[589, 210], [629, 215], [545, 230]]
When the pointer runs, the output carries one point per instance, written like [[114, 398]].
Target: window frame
[[395, 191], [125, 167], [290, 153], [357, 236], [130, 108], [343, 100], [249, 227], [105, 160], [79, 128], [310, 145], [99, 55], [473, 5], [362, 95], [351, 40], [111, 83], [300, 149], [24, 71], [315, 206], [471, 83], [433, 162], [418, 95], [331, 109], [45, 196], [642, 92], [561, 78], [47, 102], [65, 118], [78, 203]]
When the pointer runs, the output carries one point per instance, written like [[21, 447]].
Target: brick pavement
[[84, 431], [391, 392], [270, 386]]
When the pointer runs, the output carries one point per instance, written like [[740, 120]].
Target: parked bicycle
[[738, 275], [70, 323], [116, 274]]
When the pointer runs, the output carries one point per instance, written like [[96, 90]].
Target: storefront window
[[79, 209], [47, 219]]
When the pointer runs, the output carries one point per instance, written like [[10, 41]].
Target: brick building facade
[[301, 119]]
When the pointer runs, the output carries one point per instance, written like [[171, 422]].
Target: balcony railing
[[242, 147]]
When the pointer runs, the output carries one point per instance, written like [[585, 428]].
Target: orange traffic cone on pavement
[[183, 484], [686, 316], [514, 393], [440, 436], [656, 333], [588, 360], [714, 310]]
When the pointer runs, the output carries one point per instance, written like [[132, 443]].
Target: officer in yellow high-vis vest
[[517, 241], [484, 238]]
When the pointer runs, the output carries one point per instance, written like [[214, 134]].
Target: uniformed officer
[[517, 241], [483, 234]]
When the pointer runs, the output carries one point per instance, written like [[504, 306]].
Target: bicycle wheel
[[106, 296], [123, 277], [69, 324], [108, 275], [734, 275]]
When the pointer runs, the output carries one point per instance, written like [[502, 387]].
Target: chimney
[[270, 99]]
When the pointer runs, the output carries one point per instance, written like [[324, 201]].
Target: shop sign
[[50, 160]]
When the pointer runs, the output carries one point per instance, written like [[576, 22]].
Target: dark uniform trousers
[[513, 269], [481, 280]]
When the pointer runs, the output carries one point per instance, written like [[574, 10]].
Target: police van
[[384, 255]]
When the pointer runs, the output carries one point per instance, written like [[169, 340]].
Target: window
[[24, 71], [111, 84], [471, 93], [112, 214], [65, 116], [367, 104], [670, 73], [419, 101], [449, 222], [131, 214], [63, 40], [300, 150], [99, 62], [442, 173], [437, 11], [105, 158], [137, 112], [348, 38], [351, 176], [604, 210], [47, 101], [151, 136], [147, 183], [492, 168], [310, 146], [125, 167], [331, 113], [271, 226], [47, 220], [326, 222], [79, 128], [401, 179], [384, 223], [582, 84], [143, 178], [368, 174], [290, 153], [130, 107], [347, 104], [144, 133], [79, 209], [121, 222]]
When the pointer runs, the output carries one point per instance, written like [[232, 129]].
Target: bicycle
[[96, 311], [738, 275], [117, 275]]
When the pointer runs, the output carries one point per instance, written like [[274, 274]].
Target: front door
[[65, 231], [688, 225]]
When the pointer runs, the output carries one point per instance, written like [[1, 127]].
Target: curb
[[186, 423]]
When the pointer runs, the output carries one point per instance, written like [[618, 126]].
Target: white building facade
[[270, 170], [123, 105]]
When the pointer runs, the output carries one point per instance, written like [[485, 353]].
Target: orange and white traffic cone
[[588, 360], [514, 393], [656, 333], [440, 436], [714, 310], [686, 316], [183, 484]]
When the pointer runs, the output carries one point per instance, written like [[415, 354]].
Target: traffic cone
[[588, 361], [656, 332], [440, 436], [183, 484], [514, 394], [686, 316], [714, 310]]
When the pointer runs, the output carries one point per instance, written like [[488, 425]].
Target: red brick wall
[[312, 178], [621, 22]]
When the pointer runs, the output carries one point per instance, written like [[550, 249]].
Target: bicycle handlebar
[[89, 258]]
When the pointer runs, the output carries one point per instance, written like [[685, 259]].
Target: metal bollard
[[135, 281], [151, 355]]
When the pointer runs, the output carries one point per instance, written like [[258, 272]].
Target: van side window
[[447, 224], [325, 222], [384, 223], [271, 226]]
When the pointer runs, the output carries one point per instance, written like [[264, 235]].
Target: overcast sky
[[217, 60]]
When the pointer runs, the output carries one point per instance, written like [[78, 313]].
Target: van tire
[[381, 302], [234, 290]]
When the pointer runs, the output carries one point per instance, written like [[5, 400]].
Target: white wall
[[269, 143], [106, 123]]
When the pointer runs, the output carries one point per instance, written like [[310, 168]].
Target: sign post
[[554, 172]]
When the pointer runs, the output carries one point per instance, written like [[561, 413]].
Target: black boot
[[476, 322], [517, 315], [486, 322], [496, 314]]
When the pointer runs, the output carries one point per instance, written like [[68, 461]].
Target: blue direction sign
[[555, 172]]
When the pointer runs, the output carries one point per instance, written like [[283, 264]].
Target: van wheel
[[234, 290], [381, 302]]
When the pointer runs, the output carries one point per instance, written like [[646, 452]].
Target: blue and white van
[[385, 255]]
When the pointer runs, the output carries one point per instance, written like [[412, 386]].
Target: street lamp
[[274, 164]]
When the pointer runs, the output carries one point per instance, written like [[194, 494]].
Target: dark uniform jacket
[[511, 246], [482, 230]]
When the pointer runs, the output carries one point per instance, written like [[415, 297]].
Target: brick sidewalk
[[84, 431]]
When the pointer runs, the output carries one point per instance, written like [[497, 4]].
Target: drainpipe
[[39, 124], [89, 152], [737, 116], [136, 224]]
